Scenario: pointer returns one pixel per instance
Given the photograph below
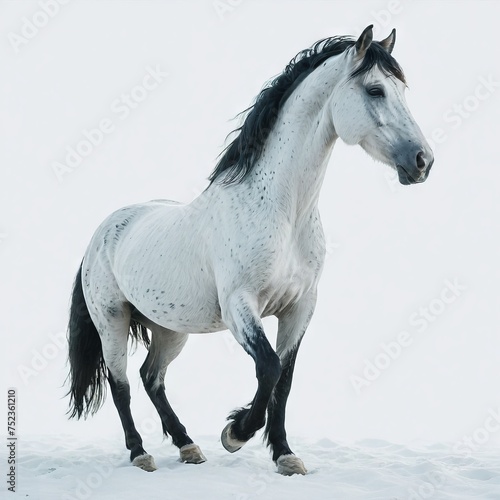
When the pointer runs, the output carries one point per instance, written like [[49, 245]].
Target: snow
[[69, 468]]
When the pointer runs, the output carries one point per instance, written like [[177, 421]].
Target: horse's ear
[[388, 43], [364, 41]]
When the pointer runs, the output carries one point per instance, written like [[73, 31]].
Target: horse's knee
[[268, 368], [147, 376]]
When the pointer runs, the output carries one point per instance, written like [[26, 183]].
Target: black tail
[[87, 368], [88, 373]]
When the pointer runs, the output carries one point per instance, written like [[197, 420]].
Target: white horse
[[251, 245]]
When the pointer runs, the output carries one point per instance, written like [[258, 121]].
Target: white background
[[391, 247]]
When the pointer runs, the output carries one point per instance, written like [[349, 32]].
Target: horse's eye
[[375, 91]]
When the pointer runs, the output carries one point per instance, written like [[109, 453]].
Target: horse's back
[[112, 238]]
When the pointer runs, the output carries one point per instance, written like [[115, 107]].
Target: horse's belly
[[185, 309], [186, 323]]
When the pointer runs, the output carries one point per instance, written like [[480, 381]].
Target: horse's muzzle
[[417, 173]]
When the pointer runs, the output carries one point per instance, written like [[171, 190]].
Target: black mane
[[239, 157]]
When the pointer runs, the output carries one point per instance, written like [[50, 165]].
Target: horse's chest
[[291, 278], [281, 295]]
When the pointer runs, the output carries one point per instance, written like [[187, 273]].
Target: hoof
[[145, 462], [288, 465], [228, 441], [191, 454]]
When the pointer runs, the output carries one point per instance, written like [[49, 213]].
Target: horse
[[250, 246]]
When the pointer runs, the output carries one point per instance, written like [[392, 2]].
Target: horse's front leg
[[240, 316], [291, 328]]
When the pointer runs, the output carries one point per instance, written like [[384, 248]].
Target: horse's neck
[[292, 167]]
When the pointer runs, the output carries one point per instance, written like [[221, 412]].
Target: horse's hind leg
[[165, 347], [114, 331]]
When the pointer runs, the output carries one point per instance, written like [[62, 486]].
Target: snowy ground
[[67, 468]]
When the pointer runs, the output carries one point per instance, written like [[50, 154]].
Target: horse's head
[[369, 109]]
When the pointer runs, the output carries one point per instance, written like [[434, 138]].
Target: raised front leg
[[291, 328], [246, 327]]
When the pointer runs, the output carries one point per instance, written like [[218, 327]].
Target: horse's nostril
[[420, 161]]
